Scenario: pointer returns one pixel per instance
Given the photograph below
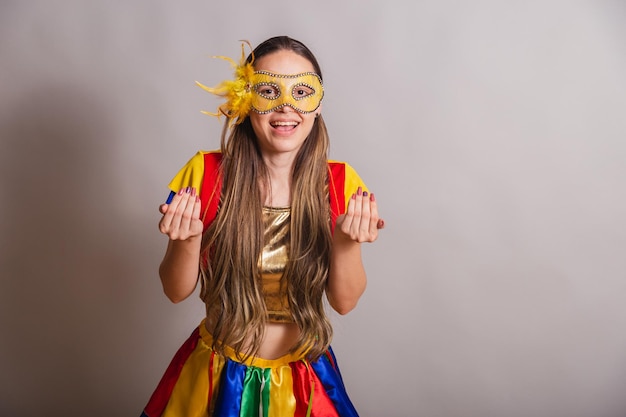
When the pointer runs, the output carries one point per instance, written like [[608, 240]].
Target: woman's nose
[[286, 108]]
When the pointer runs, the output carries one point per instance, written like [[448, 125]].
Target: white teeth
[[278, 123]]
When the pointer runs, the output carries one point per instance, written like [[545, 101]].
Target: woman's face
[[285, 129]]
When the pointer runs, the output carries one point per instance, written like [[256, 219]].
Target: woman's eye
[[301, 92], [267, 91]]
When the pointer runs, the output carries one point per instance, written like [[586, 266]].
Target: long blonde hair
[[231, 285]]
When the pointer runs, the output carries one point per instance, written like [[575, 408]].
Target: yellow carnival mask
[[302, 92], [264, 92]]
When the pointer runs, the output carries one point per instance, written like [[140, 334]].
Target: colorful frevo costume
[[201, 382]]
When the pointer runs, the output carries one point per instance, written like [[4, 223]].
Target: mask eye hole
[[267, 90]]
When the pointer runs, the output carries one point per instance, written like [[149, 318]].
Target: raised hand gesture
[[360, 223], [181, 217]]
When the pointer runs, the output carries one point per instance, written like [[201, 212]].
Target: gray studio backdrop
[[492, 132]]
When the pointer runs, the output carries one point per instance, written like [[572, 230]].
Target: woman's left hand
[[360, 223]]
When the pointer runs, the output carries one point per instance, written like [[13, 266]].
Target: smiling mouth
[[283, 124]]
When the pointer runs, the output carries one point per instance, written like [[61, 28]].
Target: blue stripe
[[169, 197], [228, 403], [333, 384]]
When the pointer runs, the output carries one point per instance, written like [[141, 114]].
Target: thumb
[[163, 208]]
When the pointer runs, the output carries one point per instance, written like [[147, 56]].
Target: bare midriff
[[278, 340]]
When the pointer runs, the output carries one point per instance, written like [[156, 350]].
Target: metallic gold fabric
[[273, 261]]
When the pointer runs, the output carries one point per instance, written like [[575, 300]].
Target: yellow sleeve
[[352, 182], [190, 175]]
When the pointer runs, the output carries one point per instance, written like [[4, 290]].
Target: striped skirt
[[200, 382]]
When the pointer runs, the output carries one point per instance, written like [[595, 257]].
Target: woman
[[268, 225]]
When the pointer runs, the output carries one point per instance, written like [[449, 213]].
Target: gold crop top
[[273, 261]]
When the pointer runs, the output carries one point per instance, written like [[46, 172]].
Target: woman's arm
[[347, 278], [181, 223]]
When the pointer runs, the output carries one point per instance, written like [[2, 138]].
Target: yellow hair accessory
[[237, 92]]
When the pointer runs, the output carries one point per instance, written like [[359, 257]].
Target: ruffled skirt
[[200, 382]]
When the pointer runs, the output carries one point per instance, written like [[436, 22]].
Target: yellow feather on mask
[[237, 92]]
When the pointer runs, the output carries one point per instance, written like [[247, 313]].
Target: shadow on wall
[[64, 262]]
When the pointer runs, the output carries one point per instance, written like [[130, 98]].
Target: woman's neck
[[278, 181]]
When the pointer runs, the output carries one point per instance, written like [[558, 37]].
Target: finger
[[380, 224], [197, 226], [374, 219], [364, 225], [180, 221], [358, 209], [348, 216], [187, 214], [196, 210], [170, 222], [168, 213]]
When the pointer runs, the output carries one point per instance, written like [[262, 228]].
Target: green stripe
[[251, 396], [265, 393]]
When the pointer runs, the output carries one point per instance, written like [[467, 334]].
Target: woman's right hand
[[181, 217]]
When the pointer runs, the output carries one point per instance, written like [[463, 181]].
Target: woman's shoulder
[[216, 152], [343, 172], [342, 166], [198, 159], [192, 172]]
